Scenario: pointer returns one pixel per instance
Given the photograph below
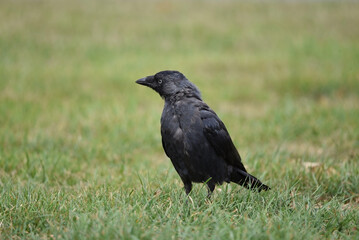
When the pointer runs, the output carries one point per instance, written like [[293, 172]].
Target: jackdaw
[[194, 138]]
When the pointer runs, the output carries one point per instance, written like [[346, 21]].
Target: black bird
[[194, 138]]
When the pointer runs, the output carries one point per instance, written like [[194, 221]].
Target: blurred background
[[283, 76], [280, 74]]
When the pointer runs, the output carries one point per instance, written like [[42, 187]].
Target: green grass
[[80, 146]]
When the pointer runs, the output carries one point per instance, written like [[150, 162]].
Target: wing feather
[[218, 136]]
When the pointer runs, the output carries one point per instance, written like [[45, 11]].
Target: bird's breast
[[178, 134]]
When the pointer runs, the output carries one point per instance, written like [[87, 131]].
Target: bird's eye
[[159, 81]]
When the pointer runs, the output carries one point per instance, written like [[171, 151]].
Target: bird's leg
[[210, 186], [187, 185], [188, 188]]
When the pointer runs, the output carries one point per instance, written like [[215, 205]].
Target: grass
[[80, 147]]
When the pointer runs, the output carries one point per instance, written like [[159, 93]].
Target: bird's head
[[168, 83]]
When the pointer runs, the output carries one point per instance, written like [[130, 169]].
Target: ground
[[80, 146]]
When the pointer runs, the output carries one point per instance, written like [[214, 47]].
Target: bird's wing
[[218, 136]]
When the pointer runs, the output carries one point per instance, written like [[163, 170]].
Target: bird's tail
[[246, 180]]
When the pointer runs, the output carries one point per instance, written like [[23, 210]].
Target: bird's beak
[[141, 81], [146, 81]]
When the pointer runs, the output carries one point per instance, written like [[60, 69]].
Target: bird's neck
[[180, 95]]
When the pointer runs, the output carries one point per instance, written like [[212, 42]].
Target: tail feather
[[248, 181]]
